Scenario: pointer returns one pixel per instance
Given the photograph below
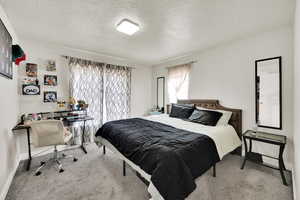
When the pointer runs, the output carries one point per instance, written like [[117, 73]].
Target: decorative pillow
[[205, 117], [224, 120], [182, 111]]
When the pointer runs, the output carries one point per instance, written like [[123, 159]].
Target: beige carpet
[[99, 177]]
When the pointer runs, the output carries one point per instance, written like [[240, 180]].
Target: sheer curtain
[[178, 82], [106, 88], [86, 83], [117, 91]]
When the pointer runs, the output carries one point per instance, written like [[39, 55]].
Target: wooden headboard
[[236, 118]]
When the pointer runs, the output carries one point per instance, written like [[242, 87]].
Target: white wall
[[226, 72], [9, 152], [141, 91], [38, 52], [297, 105]]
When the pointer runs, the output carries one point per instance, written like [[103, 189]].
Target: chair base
[[57, 160]]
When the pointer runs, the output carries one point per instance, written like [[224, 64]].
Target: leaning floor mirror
[[268, 93], [160, 95]]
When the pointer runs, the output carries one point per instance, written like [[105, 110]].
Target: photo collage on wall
[[31, 82], [50, 80]]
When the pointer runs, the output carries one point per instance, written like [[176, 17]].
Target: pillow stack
[[200, 115]]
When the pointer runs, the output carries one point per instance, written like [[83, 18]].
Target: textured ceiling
[[168, 27]]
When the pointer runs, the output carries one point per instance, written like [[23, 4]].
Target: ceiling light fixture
[[128, 27]]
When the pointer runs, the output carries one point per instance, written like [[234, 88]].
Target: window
[[178, 82]]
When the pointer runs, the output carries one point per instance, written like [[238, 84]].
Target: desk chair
[[50, 133]]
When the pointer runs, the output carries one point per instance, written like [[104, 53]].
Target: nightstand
[[279, 140]]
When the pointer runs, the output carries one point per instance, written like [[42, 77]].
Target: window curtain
[[178, 82], [86, 83], [106, 88], [117, 92]]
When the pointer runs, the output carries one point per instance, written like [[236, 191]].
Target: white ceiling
[[168, 27]]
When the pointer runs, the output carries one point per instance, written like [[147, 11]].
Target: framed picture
[[31, 69], [50, 96], [6, 66], [50, 80], [51, 65], [30, 81], [30, 89]]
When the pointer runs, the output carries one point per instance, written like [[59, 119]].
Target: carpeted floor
[[99, 177]]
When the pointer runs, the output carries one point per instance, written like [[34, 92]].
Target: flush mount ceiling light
[[128, 27]]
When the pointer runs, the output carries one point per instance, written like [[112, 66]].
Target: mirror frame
[[280, 92], [161, 77]]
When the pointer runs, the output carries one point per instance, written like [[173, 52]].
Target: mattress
[[225, 138]]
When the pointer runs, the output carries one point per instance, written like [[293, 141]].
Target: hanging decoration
[[18, 54]]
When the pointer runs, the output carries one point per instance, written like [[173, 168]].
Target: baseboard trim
[[10, 178], [24, 156]]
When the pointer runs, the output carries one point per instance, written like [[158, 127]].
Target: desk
[[27, 128], [72, 120], [66, 120]]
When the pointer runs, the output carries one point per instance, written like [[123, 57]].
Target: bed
[[170, 153]]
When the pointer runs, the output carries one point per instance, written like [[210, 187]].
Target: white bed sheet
[[225, 138]]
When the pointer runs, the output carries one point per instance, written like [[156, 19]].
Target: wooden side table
[[279, 140]]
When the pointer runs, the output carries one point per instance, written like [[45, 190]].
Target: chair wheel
[[38, 173], [42, 163], [61, 170], [64, 155], [75, 159]]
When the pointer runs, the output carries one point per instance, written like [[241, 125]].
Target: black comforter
[[173, 157]]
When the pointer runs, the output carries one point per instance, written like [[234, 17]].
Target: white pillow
[[226, 115]]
